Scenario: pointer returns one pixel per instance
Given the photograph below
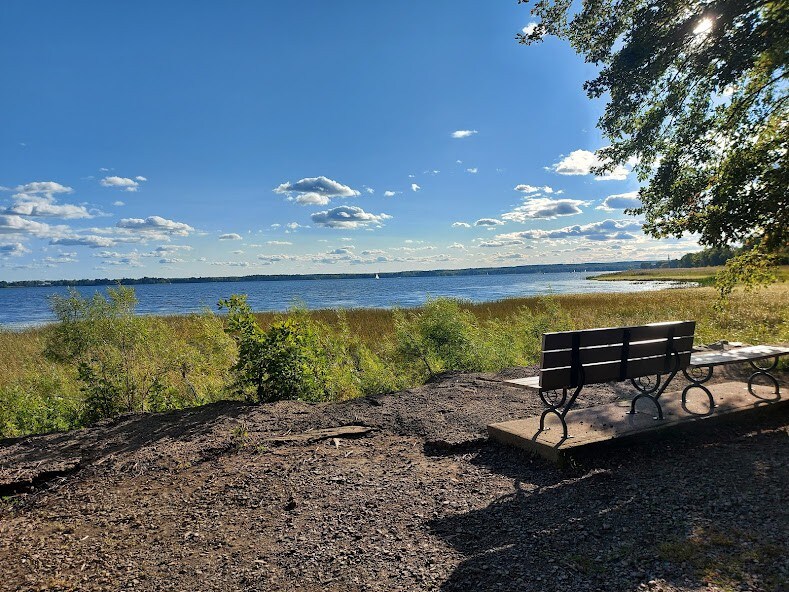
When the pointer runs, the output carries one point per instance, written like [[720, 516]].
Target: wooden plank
[[531, 383], [611, 371], [612, 335], [612, 353], [740, 354]]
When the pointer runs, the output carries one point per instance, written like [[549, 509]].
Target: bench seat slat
[[612, 353]]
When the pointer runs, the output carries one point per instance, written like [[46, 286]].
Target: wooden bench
[[641, 354], [702, 364]]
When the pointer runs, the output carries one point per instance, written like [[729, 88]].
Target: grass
[[702, 275], [509, 331]]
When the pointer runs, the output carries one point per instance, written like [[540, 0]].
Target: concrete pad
[[591, 426]]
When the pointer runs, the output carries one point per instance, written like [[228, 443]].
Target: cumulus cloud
[[529, 29], [341, 251], [13, 250], [13, 224], [91, 240], [473, 170], [45, 188], [278, 243], [545, 208], [42, 207], [123, 183], [170, 260], [461, 225], [415, 187], [155, 225], [314, 190], [230, 236], [457, 246], [390, 193], [348, 217], [524, 188], [118, 203], [620, 201], [463, 133], [604, 230], [581, 162], [488, 222]]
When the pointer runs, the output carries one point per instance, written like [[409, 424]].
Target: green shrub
[[294, 358]]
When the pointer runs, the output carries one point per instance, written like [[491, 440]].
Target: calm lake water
[[24, 307]]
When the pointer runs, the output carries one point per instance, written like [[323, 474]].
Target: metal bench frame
[[613, 348]]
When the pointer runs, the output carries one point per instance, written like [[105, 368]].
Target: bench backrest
[[614, 354]]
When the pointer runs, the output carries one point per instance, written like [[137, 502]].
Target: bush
[[294, 358], [124, 362]]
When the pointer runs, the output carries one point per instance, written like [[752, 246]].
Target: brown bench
[[641, 354]]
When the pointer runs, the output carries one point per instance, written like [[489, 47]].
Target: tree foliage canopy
[[698, 99]]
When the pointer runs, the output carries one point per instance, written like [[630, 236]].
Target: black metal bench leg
[[697, 377], [654, 398], [764, 371], [559, 409]]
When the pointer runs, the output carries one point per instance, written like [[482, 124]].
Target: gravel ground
[[233, 497]]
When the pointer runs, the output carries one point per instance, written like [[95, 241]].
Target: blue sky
[[203, 138]]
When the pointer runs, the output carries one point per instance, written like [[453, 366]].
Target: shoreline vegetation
[[704, 276], [101, 359]]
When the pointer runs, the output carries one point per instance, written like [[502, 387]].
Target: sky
[[197, 138]]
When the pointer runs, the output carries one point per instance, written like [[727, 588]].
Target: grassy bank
[[172, 362], [703, 275]]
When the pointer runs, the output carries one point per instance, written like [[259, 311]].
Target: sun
[[703, 27]]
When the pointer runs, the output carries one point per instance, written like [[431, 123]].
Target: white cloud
[[581, 162], [620, 201], [463, 133], [390, 193], [488, 222], [155, 225], [415, 187], [461, 225], [278, 242], [140, 178], [121, 183], [499, 242], [604, 230], [13, 250], [12, 224], [43, 207], [457, 246], [369, 190], [348, 217], [314, 190], [90, 240], [473, 170], [118, 203], [529, 29], [341, 251], [523, 188], [170, 260], [59, 260], [46, 188], [545, 208], [230, 236]]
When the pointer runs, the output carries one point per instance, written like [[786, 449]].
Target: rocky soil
[[233, 497]]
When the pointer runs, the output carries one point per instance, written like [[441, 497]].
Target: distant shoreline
[[519, 269]]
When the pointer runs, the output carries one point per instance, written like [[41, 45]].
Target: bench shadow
[[662, 510]]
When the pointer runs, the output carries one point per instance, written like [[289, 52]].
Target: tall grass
[[386, 350]]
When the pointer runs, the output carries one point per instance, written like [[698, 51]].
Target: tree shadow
[[25, 460], [696, 508]]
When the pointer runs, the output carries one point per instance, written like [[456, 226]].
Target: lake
[[25, 307]]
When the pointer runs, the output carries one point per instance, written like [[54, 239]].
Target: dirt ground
[[234, 497]]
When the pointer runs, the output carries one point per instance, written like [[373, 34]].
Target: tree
[[698, 103]]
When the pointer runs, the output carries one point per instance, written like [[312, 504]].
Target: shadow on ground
[[685, 511]]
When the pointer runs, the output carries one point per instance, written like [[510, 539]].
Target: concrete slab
[[607, 423]]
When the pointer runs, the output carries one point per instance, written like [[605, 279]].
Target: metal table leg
[[764, 371], [697, 376]]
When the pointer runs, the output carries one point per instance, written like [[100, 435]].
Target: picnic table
[[702, 365]]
